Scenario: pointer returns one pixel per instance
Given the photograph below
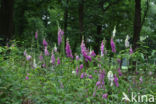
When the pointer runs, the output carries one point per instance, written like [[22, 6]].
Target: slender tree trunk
[[65, 21], [81, 14], [6, 19], [98, 39], [137, 29], [137, 24]]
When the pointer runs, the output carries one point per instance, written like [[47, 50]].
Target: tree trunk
[[81, 13], [98, 39], [6, 19], [137, 24], [65, 21], [137, 29]]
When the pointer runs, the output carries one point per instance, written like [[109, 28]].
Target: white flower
[[34, 64], [127, 42], [73, 72], [110, 77], [114, 31], [55, 48]]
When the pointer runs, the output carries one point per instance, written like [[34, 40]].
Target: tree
[[6, 19]]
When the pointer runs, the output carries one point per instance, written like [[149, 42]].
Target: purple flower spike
[[116, 81], [68, 50], [36, 35], [113, 46], [131, 50], [90, 76], [84, 52], [58, 61], [81, 66], [41, 57], [93, 53], [102, 48], [119, 71], [77, 57], [141, 80], [43, 65], [28, 57], [104, 96], [46, 51], [60, 35], [52, 58], [26, 78], [77, 70], [45, 43], [98, 83], [82, 75], [25, 52]]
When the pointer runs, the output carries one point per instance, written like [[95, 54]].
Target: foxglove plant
[[84, 52], [34, 64], [46, 53], [77, 57], [26, 78], [119, 71], [127, 42], [82, 75], [41, 57], [25, 52], [55, 48], [102, 48], [77, 70], [60, 35], [141, 80], [113, 46], [92, 53], [28, 57], [53, 58], [131, 50], [68, 50], [45, 43], [90, 77], [100, 82], [110, 77], [58, 61], [43, 65], [36, 35], [81, 66], [116, 81], [104, 96], [114, 31]]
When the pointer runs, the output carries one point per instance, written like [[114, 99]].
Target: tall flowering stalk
[[60, 35], [68, 50], [127, 42], [119, 72], [100, 82], [113, 46], [110, 77], [46, 51], [28, 57], [116, 81], [53, 58], [41, 57], [102, 48], [36, 35], [92, 53], [84, 52], [130, 50], [45, 43], [58, 61]]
